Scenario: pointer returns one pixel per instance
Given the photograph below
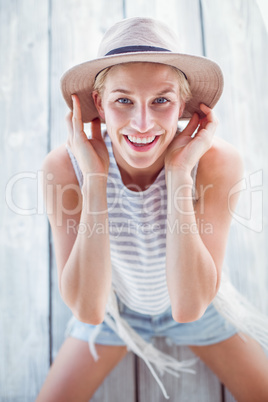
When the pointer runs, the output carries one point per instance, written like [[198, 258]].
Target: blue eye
[[161, 100], [123, 100]]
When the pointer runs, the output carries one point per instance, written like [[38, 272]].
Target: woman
[[145, 241]]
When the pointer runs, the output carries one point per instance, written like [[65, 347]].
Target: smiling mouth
[[143, 144], [141, 141]]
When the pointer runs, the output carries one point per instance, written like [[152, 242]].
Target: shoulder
[[61, 189], [221, 164], [57, 166]]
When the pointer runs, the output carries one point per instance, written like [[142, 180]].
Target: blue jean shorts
[[210, 328]]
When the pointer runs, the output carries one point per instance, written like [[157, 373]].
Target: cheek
[[171, 113], [115, 117], [170, 120]]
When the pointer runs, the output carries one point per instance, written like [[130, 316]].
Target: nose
[[142, 119]]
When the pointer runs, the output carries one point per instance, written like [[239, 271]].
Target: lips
[[141, 147]]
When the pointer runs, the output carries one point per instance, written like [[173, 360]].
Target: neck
[[137, 179]]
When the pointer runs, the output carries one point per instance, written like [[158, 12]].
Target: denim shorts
[[210, 328]]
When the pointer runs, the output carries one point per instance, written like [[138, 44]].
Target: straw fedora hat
[[143, 40]]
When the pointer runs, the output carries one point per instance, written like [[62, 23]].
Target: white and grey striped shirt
[[137, 227]]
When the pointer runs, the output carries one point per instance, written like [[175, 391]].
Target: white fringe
[[69, 326], [146, 351], [91, 342], [240, 313]]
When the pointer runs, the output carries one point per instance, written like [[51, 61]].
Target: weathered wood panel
[[242, 113], [24, 335], [236, 38]]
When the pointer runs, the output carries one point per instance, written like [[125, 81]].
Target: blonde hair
[[100, 79], [185, 92]]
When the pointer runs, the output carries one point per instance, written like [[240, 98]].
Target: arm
[[83, 256], [197, 234]]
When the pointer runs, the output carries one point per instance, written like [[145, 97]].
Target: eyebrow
[[167, 90], [123, 91], [161, 93]]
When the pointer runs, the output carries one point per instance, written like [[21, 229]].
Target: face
[[141, 107]]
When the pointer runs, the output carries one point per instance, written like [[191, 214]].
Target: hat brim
[[204, 76]]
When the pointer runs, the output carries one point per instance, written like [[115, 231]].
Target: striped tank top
[[137, 229]]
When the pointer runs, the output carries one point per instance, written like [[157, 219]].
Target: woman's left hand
[[184, 151]]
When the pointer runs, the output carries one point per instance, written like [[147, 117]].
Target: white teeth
[[139, 140]]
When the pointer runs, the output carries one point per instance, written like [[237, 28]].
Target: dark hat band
[[130, 49], [133, 49]]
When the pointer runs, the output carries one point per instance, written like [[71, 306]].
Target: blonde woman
[[143, 226]]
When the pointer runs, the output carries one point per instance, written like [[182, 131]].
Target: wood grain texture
[[243, 56], [24, 287]]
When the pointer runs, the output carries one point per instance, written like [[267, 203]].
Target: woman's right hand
[[91, 154]]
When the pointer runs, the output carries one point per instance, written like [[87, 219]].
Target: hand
[[184, 151], [91, 154]]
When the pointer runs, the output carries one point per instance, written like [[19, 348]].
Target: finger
[[191, 126], [210, 115], [77, 115], [96, 129], [210, 120], [208, 125], [69, 123], [205, 109], [208, 128]]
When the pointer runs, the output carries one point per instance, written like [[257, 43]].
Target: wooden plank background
[[38, 42]]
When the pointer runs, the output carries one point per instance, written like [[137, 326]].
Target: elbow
[[185, 315], [85, 313], [93, 316], [88, 318]]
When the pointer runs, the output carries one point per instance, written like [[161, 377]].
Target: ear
[[98, 104]]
